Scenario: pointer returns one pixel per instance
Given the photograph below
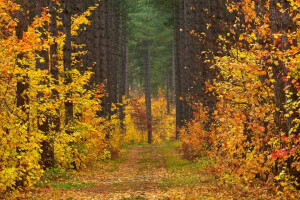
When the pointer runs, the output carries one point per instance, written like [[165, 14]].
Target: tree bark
[[126, 67], [168, 94], [121, 66], [67, 60], [23, 81], [147, 78], [177, 66], [47, 155], [279, 70]]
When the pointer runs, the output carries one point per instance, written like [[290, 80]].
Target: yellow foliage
[[163, 124], [93, 138]]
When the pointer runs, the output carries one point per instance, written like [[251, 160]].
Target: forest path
[[142, 172], [140, 175]]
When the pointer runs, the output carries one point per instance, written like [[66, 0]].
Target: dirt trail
[[141, 172], [138, 177], [146, 172]]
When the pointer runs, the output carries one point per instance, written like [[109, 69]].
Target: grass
[[181, 172], [113, 165], [171, 158], [57, 178], [70, 186]]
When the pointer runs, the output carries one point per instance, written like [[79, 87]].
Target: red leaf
[[284, 138], [285, 79], [274, 155]]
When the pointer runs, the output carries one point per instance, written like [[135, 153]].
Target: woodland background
[[80, 78]]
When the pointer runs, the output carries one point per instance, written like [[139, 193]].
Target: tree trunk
[[47, 155], [54, 72], [121, 66], [278, 70], [147, 78], [67, 60], [168, 94], [23, 81], [177, 66], [126, 67], [113, 80]]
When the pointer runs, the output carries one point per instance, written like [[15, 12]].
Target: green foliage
[[146, 22], [55, 174]]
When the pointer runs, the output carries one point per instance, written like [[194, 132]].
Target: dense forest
[[84, 83]]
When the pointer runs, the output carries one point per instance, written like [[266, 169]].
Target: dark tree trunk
[[168, 94], [126, 67], [113, 77], [121, 66], [67, 52], [177, 67], [23, 80], [148, 92], [47, 155], [279, 70], [23, 83]]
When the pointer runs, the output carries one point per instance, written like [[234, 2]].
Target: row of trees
[[63, 69], [64, 75], [237, 87]]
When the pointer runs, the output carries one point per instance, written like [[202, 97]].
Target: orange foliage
[[163, 124], [20, 140], [241, 138]]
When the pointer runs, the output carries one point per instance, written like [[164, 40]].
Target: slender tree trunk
[[67, 51], [47, 155], [173, 70], [23, 81], [121, 65], [168, 94], [278, 70], [126, 68], [147, 78], [177, 66], [107, 66], [114, 59], [54, 72]]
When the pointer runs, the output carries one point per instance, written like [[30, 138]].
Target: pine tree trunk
[[23, 80], [47, 155], [23, 83], [67, 51], [177, 66], [113, 77], [54, 72], [126, 67], [168, 94], [121, 66], [278, 70], [147, 79]]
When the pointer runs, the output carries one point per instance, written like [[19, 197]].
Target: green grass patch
[[113, 165], [60, 179], [181, 172], [149, 160], [70, 186], [171, 158], [55, 174], [179, 181]]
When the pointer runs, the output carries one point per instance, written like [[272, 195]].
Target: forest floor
[[141, 172]]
